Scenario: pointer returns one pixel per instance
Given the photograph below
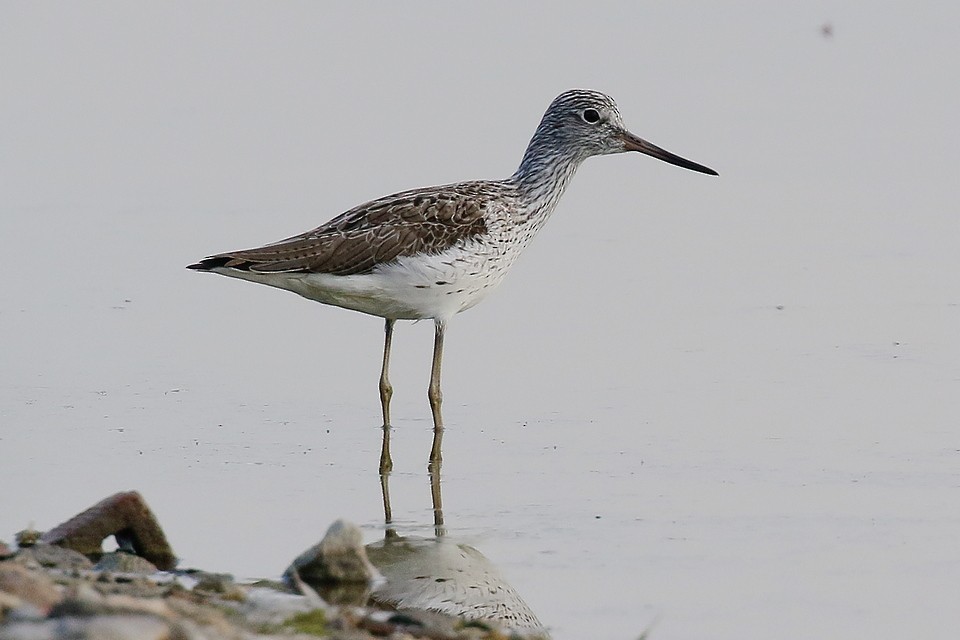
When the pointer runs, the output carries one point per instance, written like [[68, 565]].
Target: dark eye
[[591, 115]]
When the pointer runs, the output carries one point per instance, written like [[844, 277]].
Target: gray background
[[726, 406]]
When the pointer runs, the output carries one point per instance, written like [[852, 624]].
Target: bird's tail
[[208, 264]]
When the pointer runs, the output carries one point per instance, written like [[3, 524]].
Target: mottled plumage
[[436, 251], [377, 232]]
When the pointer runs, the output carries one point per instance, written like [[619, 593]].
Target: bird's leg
[[435, 396], [386, 391]]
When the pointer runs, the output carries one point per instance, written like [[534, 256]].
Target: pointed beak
[[633, 143]]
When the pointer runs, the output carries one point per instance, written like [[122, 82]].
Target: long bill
[[633, 143]]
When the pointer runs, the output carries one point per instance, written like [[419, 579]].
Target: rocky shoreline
[[60, 584]]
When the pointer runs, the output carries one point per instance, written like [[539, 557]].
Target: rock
[[203, 620], [419, 624], [122, 562], [137, 627], [222, 584], [46, 555], [269, 608], [215, 582], [5, 551], [27, 537], [28, 587], [338, 558], [83, 601], [49, 603], [131, 584], [307, 591], [125, 516]]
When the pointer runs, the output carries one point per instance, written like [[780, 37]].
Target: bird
[[433, 252]]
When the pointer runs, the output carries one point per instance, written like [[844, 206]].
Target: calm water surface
[[700, 466]]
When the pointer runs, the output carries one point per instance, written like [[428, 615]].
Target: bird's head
[[585, 123]]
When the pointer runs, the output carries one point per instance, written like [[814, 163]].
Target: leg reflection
[[435, 495], [385, 492], [437, 499]]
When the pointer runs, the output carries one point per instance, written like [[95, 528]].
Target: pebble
[[28, 587], [122, 562], [98, 628], [53, 557]]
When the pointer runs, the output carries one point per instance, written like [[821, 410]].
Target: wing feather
[[378, 232]]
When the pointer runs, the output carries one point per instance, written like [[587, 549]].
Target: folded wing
[[378, 232]]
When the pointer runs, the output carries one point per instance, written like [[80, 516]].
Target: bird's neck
[[543, 175]]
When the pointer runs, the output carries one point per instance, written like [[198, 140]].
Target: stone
[[29, 587], [123, 562], [125, 516], [339, 558], [82, 600], [28, 537], [135, 627], [267, 607], [222, 584], [48, 603], [50, 556], [215, 582]]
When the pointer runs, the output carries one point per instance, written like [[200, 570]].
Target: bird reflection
[[440, 574]]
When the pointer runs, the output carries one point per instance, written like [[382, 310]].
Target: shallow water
[[722, 407]]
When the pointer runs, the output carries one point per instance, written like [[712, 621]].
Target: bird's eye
[[591, 115]]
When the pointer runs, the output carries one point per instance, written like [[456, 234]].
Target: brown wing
[[421, 221]]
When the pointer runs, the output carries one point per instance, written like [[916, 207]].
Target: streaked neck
[[544, 173]]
